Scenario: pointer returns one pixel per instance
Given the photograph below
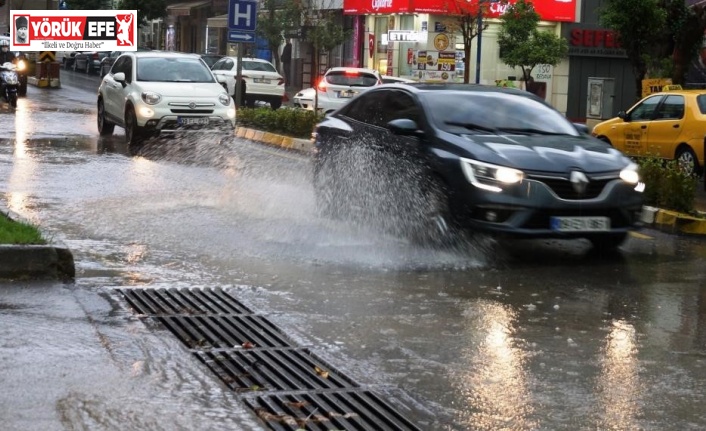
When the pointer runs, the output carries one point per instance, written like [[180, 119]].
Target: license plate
[[345, 94], [580, 224], [261, 81], [192, 121]]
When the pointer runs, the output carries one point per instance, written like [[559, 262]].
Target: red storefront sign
[[548, 10]]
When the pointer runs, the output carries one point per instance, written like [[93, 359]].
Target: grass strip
[[15, 232]]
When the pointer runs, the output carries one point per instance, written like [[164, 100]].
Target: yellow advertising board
[[654, 85]]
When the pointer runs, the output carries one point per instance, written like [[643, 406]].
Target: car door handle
[[676, 126], [644, 126]]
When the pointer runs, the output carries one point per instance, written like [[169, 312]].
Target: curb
[[287, 142], [673, 221], [51, 261]]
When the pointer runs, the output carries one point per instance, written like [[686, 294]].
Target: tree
[[463, 19], [640, 25], [146, 9], [685, 31], [85, 4], [523, 45], [275, 18], [324, 33]]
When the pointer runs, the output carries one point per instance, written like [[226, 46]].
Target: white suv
[[261, 82], [149, 93], [336, 87]]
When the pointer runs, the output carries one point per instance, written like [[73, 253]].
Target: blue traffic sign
[[241, 36], [242, 15]]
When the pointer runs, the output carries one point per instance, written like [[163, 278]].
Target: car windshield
[[259, 66], [166, 69], [495, 112], [351, 78]]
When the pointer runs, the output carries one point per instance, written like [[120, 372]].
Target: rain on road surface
[[528, 335]]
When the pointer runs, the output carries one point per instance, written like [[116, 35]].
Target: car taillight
[[95, 56], [351, 72], [280, 81], [322, 86]]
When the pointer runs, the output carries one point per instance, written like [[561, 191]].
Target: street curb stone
[[48, 261]]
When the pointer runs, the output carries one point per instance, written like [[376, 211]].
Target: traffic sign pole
[[239, 77], [242, 21]]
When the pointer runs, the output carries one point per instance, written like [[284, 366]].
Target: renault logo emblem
[[579, 181], [192, 105]]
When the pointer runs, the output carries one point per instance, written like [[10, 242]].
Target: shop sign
[[405, 36], [548, 10], [655, 85], [595, 42]]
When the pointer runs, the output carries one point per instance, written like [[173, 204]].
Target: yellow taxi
[[670, 124]]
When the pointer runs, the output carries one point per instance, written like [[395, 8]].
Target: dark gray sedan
[[433, 160]]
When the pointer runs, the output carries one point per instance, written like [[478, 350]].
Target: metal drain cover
[[274, 370], [225, 332], [345, 410], [155, 302]]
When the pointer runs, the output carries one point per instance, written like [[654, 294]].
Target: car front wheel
[[133, 134], [687, 160], [436, 226], [105, 127]]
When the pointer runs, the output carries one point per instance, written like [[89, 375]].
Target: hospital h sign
[[242, 15]]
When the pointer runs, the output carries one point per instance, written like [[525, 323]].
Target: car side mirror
[[623, 116], [120, 77], [403, 126]]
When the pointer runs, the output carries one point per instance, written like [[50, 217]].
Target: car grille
[[192, 111], [563, 188], [191, 107]]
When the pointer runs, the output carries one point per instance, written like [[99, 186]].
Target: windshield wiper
[[472, 126], [530, 131]]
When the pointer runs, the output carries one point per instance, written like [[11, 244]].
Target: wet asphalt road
[[524, 336]]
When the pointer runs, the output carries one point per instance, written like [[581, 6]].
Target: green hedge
[[298, 123], [666, 185]]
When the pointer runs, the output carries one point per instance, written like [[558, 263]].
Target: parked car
[[108, 60], [432, 161], [669, 125], [67, 59], [261, 81], [88, 61], [149, 93], [336, 87], [211, 59]]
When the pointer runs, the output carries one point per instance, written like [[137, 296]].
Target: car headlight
[[224, 99], [490, 177], [151, 98], [629, 174]]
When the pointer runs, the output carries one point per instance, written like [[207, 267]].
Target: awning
[[220, 21], [184, 9]]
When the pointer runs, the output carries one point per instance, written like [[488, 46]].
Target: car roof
[[429, 87], [352, 69], [164, 54], [246, 58]]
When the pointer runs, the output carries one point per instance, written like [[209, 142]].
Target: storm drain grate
[[225, 332], [353, 410], [250, 355], [274, 370], [153, 302]]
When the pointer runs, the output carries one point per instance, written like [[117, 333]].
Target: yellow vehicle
[[670, 124]]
